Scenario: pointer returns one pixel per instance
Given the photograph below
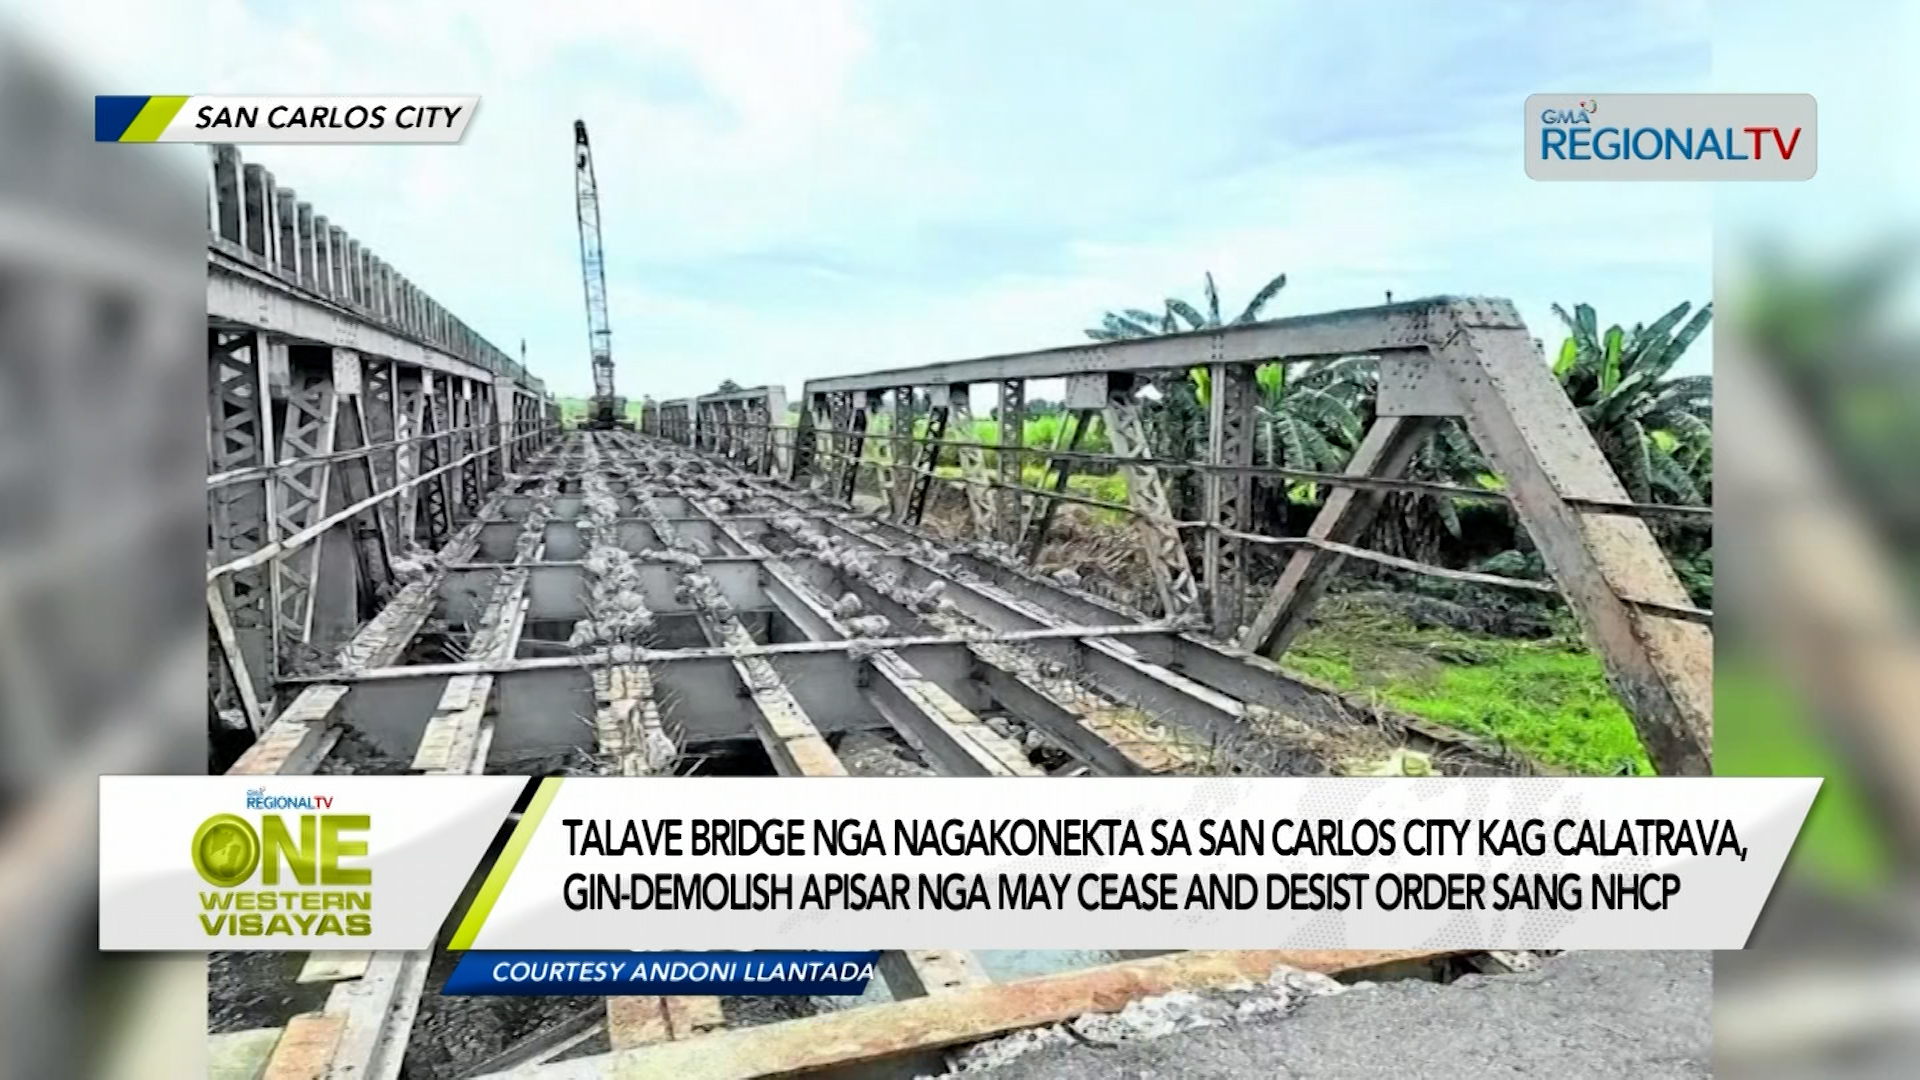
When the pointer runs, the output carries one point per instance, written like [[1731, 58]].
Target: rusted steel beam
[[301, 734], [793, 743], [1621, 507], [1661, 669], [1147, 493], [1230, 437], [1303, 337], [877, 1033], [1345, 517], [748, 649]]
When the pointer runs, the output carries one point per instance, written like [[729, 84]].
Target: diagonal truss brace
[[1474, 359]]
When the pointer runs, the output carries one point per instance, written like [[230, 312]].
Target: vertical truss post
[[900, 452], [927, 462], [840, 411], [409, 416], [434, 526], [441, 421], [447, 421], [759, 437], [486, 439], [1660, 668], [778, 448], [506, 411], [240, 515], [311, 411], [1345, 517], [806, 441], [1013, 433], [472, 474], [1147, 492], [371, 544], [1073, 431], [863, 415], [973, 461], [1230, 424], [379, 414]]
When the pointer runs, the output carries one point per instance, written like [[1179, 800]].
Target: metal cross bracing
[[777, 558], [344, 407], [1467, 359], [636, 607]]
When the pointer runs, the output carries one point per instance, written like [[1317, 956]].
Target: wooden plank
[[635, 1021], [878, 1032], [305, 1050], [690, 1016], [643, 1021], [334, 966]]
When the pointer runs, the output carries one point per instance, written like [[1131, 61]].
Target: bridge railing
[[268, 227], [1470, 360]]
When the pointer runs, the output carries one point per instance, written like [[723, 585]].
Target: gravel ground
[[256, 990], [1638, 1015]]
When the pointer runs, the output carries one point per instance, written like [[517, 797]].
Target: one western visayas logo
[[297, 875]]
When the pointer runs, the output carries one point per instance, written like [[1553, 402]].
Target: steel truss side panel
[[1661, 668], [1230, 436], [900, 452], [240, 516], [312, 408], [1147, 492], [409, 415], [973, 462], [1013, 431], [1345, 517], [379, 413]]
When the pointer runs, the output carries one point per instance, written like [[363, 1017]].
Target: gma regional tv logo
[[284, 874], [1671, 137]]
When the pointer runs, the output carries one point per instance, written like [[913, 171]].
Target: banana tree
[[1656, 431]]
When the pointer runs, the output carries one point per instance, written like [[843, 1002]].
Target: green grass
[[1762, 728], [1546, 699], [574, 409], [1111, 488]]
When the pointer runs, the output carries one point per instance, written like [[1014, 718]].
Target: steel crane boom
[[605, 410]]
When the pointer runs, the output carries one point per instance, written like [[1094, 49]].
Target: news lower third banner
[[852, 865], [246, 119]]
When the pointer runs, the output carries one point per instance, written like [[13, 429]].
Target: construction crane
[[604, 410]]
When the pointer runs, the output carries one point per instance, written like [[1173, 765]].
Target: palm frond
[[1126, 327], [1627, 447], [1213, 301], [1646, 341], [1569, 356], [1195, 321], [1665, 471], [1670, 354], [1260, 299]]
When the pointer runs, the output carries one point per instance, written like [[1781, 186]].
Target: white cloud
[[800, 189]]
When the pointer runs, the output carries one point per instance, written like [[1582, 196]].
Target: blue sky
[[793, 190]]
